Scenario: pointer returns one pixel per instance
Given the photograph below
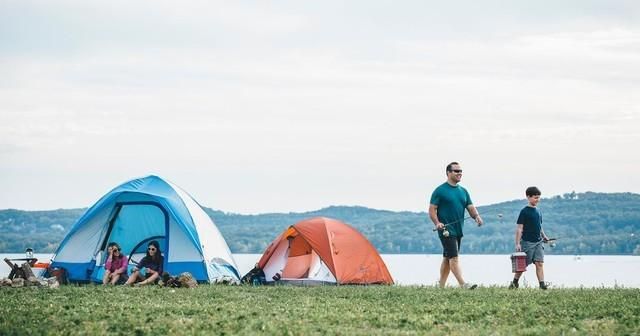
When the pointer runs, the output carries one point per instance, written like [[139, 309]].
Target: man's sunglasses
[[458, 171]]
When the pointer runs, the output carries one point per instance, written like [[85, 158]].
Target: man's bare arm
[[433, 214], [473, 212]]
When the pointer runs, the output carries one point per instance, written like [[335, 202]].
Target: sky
[[291, 106]]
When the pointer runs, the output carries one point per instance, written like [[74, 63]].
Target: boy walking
[[530, 237]]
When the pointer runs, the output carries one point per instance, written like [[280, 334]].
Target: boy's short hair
[[450, 165], [533, 191]]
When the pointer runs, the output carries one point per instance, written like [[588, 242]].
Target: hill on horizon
[[585, 223]]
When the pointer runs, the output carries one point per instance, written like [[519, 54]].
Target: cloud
[[73, 28], [281, 97]]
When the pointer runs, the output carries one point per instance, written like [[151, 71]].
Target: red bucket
[[518, 262]]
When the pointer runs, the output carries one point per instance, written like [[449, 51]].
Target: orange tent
[[323, 250]]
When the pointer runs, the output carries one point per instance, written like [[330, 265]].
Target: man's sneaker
[[513, 285], [469, 286], [544, 285]]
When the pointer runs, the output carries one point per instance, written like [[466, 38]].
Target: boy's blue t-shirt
[[531, 219], [451, 202]]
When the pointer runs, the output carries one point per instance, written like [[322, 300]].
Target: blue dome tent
[[135, 213]]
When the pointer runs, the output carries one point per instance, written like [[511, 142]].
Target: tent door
[[132, 226]]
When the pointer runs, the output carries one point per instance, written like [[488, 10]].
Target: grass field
[[345, 310]]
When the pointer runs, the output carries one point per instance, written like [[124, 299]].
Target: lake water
[[486, 270]]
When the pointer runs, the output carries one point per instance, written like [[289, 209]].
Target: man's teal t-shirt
[[451, 202]]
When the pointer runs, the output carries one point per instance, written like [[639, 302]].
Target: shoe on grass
[[544, 285], [513, 285], [469, 286]]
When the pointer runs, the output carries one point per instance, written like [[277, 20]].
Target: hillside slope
[[585, 223]]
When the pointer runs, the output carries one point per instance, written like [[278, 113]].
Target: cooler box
[[518, 262], [39, 269]]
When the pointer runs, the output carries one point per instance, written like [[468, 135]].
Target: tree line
[[584, 223]]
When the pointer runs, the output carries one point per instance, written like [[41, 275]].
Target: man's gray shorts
[[534, 251]]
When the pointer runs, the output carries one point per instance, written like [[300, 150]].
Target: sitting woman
[[151, 264], [115, 268]]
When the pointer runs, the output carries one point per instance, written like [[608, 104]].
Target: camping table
[[15, 269]]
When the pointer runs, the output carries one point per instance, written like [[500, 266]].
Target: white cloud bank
[[291, 108]]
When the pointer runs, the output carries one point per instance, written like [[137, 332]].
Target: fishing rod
[[551, 241], [465, 218], [446, 232], [451, 223]]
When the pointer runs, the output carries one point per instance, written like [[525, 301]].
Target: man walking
[[446, 210]]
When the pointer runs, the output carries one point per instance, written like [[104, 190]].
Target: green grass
[[345, 310]]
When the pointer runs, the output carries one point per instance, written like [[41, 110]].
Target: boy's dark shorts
[[450, 246]]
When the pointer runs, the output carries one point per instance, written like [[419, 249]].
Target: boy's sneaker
[[469, 286], [513, 285], [544, 285]]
